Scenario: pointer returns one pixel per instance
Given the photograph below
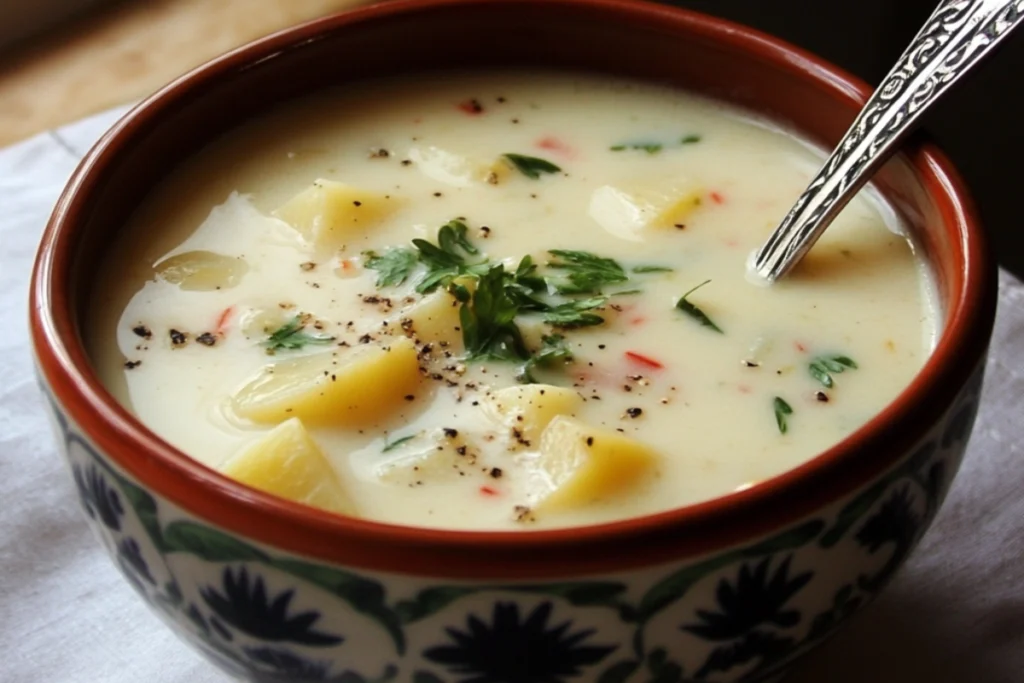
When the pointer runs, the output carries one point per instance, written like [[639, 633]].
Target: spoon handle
[[953, 40]]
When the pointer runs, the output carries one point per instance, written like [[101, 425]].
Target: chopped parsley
[[689, 139], [396, 443], [782, 411], [446, 260], [393, 266], [488, 317], [823, 367], [652, 269], [553, 350], [531, 167], [565, 298], [649, 147], [576, 313], [694, 312], [292, 336], [585, 273]]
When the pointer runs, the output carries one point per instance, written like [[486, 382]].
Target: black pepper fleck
[[142, 331], [178, 338], [132, 364], [634, 412]]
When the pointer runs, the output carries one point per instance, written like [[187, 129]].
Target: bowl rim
[[659, 537]]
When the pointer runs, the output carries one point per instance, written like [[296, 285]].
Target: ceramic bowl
[[734, 589]]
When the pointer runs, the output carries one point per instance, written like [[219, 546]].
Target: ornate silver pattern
[[955, 37]]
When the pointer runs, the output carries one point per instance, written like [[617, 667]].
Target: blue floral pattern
[[244, 604], [514, 650], [742, 614]]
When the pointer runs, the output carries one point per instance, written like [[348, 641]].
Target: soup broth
[[502, 301]]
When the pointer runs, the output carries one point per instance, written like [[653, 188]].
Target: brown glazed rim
[[662, 537]]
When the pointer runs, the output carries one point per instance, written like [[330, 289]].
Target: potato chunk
[[529, 408], [434, 318], [456, 169], [287, 463], [427, 457], [580, 465], [202, 271], [628, 213], [328, 212], [359, 386]]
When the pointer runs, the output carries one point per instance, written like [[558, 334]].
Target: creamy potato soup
[[502, 301]]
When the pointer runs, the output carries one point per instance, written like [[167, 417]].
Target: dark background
[[980, 123]]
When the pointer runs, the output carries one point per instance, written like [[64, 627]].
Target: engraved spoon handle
[[953, 40]]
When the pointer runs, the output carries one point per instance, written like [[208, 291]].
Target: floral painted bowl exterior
[[730, 590]]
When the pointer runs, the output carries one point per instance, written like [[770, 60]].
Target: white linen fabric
[[955, 614]]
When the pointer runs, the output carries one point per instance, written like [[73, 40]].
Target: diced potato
[[362, 385], [328, 212], [288, 463], [579, 465], [431, 457], [628, 213], [202, 271], [529, 408], [456, 169], [434, 318]]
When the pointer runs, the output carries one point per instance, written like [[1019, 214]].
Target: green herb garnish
[[586, 273], [488, 317], [446, 260], [652, 269], [553, 349], [822, 367], [782, 409], [396, 443], [393, 266], [531, 167], [649, 147], [689, 309], [575, 313], [292, 336], [689, 140]]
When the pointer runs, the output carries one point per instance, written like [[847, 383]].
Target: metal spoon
[[954, 39]]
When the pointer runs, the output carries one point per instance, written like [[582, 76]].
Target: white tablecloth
[[954, 615]]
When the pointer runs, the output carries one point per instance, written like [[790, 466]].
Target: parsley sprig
[[568, 296], [292, 336], [531, 167], [575, 313], [782, 411], [393, 266], [585, 273], [488, 317], [694, 312], [823, 367], [446, 260], [553, 350]]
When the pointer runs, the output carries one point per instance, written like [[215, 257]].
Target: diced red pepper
[[800, 347], [550, 142], [488, 491], [222, 321], [643, 360], [716, 197]]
